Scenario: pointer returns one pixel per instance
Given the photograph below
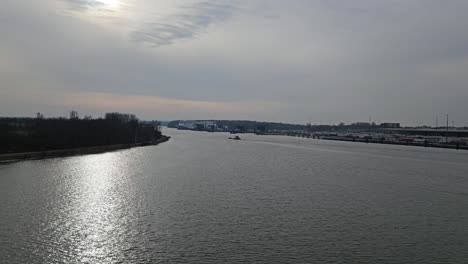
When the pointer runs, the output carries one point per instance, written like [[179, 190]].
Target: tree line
[[41, 134], [247, 125]]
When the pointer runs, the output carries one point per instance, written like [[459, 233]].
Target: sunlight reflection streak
[[97, 205]]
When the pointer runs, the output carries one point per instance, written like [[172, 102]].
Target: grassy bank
[[13, 157]]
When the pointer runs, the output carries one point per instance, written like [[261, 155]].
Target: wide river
[[202, 198]]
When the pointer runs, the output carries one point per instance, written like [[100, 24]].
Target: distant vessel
[[235, 138]]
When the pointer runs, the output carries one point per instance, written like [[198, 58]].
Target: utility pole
[[370, 124], [446, 136], [437, 122]]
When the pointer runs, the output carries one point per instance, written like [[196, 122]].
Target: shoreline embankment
[[15, 157], [405, 143]]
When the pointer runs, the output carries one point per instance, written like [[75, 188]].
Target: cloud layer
[[297, 61], [192, 20]]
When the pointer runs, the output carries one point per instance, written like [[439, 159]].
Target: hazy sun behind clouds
[[326, 61]]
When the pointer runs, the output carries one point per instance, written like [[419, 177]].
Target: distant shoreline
[[415, 144], [37, 155]]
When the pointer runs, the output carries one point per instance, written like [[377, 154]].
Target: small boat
[[235, 138]]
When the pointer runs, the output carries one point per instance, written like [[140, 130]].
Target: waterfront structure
[[430, 132], [390, 125], [198, 125]]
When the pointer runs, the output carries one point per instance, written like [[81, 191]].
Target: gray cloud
[[83, 4], [190, 21]]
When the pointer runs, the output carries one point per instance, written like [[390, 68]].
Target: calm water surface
[[201, 198]]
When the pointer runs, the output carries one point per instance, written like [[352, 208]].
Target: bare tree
[[74, 115]]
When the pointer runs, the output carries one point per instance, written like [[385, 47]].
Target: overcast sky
[[324, 61]]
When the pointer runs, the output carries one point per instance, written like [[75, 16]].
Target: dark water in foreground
[[201, 198]]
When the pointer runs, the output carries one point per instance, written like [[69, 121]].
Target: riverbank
[[402, 143], [14, 157]]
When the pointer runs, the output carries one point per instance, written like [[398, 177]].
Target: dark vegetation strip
[[9, 158], [64, 136]]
